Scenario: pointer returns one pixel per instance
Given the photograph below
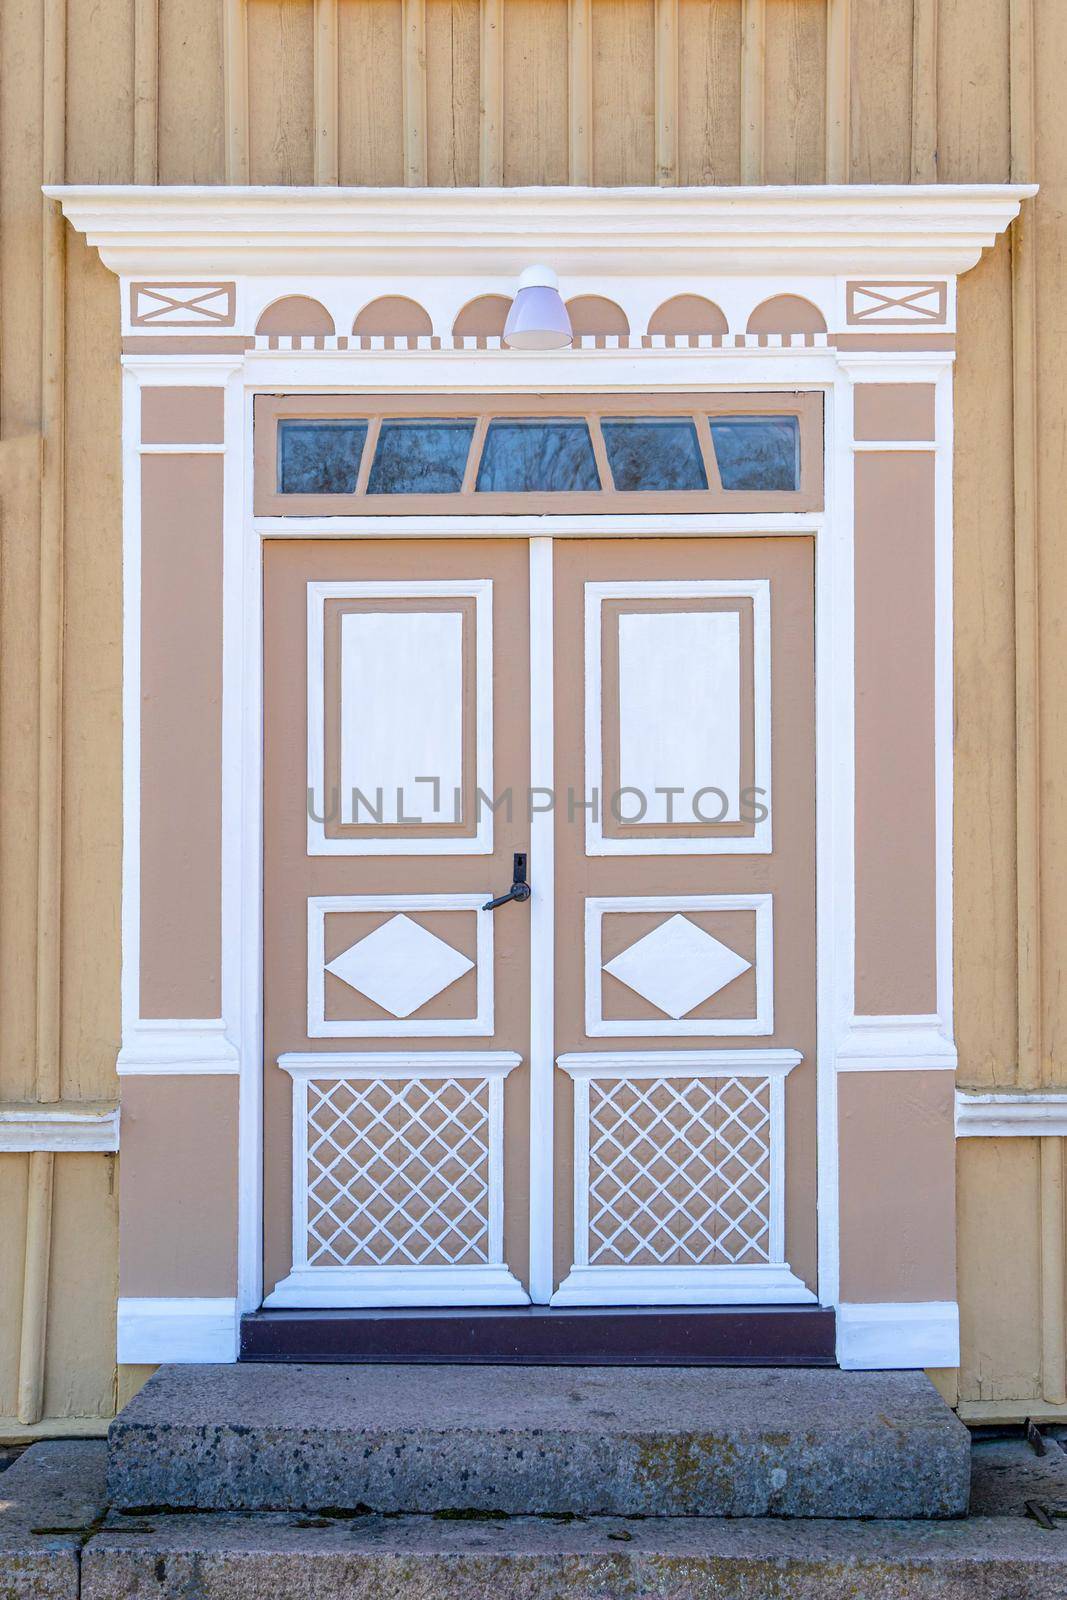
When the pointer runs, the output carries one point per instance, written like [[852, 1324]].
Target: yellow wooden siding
[[523, 91]]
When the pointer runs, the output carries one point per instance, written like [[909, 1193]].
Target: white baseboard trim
[[311, 1288], [769, 1283], [920, 1333], [1026, 1114], [151, 1331]]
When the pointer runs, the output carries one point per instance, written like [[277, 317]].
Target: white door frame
[[842, 1038]]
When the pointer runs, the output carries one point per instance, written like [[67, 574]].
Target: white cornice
[[789, 231], [1023, 1114]]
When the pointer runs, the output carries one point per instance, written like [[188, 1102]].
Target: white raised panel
[[401, 715], [682, 696], [400, 966], [680, 712], [677, 966]]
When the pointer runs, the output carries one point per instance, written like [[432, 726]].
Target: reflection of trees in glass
[[757, 452], [319, 457], [528, 456], [654, 453], [421, 457]]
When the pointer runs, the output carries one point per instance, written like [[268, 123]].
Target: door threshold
[[639, 1336]]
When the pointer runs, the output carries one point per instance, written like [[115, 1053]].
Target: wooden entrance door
[[422, 1145]]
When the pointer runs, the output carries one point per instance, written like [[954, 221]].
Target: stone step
[[219, 1557], [644, 1442]]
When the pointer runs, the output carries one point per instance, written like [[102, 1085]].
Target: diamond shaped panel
[[400, 966], [677, 966]]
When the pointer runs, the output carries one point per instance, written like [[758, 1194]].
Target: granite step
[[570, 1441], [281, 1556]]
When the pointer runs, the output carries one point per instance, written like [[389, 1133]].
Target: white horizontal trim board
[[901, 1334], [678, 1063], [905, 1043], [399, 1063], [1004, 1116], [177, 1046], [766, 1283], [310, 1287], [59, 1127], [156, 1330], [841, 228]]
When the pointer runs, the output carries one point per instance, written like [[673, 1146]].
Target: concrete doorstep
[[58, 1542]]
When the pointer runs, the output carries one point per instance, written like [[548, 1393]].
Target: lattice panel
[[680, 1170], [398, 1171]]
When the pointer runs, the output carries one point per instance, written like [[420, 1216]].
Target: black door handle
[[520, 889]]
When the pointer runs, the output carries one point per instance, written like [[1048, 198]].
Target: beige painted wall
[[209, 91]]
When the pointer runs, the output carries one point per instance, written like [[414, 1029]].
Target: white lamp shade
[[538, 318]]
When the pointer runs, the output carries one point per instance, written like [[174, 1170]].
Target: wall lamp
[[538, 318]]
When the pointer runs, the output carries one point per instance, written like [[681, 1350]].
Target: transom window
[[372, 454]]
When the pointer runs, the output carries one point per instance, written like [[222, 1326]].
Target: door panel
[[685, 1016], [395, 690]]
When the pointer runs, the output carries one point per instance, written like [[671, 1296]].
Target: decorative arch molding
[[296, 314], [786, 313], [688, 314], [391, 316], [483, 317]]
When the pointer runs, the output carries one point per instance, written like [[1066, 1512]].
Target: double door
[[600, 1091]]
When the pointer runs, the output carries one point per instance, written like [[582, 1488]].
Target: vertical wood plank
[[326, 143], [624, 92], [1053, 1326], [536, 130], [794, 129], [491, 108], [146, 91], [580, 91], [50, 599], [838, 89], [414, 75], [924, 92], [453, 92], [709, 91], [666, 91], [1027, 562], [36, 1274], [235, 89], [191, 119], [371, 77], [753, 76]]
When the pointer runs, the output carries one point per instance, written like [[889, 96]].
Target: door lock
[[520, 889]]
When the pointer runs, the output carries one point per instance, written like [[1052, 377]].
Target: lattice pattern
[[679, 1171], [398, 1171]]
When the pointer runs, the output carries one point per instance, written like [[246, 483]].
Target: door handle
[[520, 889]]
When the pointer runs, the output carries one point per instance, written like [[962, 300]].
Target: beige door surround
[[883, 286]]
